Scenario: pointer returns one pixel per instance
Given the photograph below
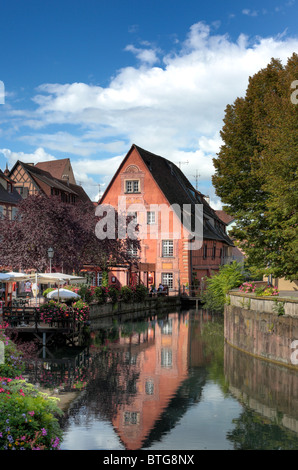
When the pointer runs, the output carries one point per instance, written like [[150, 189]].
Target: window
[[149, 387], [167, 279], [14, 211], [132, 251], [167, 248], [166, 357], [214, 251], [132, 186], [131, 417], [150, 218], [97, 279], [205, 251]]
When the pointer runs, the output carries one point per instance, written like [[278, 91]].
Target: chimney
[[66, 177]]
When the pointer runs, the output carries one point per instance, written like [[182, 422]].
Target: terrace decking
[[27, 320]]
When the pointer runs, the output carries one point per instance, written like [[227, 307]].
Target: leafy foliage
[[257, 167], [42, 222], [27, 417], [219, 284]]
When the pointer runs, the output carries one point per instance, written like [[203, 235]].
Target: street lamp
[[50, 255]]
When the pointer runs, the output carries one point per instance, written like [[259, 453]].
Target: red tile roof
[[226, 218]]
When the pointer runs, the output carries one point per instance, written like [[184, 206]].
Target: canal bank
[[99, 313], [264, 327]]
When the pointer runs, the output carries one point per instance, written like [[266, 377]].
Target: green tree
[[219, 284], [256, 169]]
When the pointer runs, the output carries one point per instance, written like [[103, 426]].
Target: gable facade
[[31, 179], [9, 197], [155, 184]]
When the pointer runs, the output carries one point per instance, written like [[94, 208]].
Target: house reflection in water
[[161, 364]]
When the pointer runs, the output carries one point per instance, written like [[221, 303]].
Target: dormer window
[[132, 186]]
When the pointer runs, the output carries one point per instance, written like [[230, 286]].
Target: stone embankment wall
[[253, 325], [136, 309]]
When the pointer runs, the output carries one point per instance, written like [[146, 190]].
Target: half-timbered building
[[53, 178], [9, 197]]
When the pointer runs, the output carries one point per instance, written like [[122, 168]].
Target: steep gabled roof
[[38, 174], [7, 197], [177, 189], [46, 178], [57, 168]]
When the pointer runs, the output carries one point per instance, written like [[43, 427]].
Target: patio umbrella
[[57, 278], [63, 294], [17, 277]]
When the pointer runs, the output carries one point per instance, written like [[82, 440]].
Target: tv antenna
[[196, 176], [183, 163]]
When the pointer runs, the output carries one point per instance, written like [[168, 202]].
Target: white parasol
[[58, 278], [63, 294]]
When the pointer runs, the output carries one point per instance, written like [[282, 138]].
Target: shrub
[[113, 293], [266, 290], [141, 293], [247, 287], [126, 294], [57, 312], [100, 295], [28, 418], [85, 293], [219, 284], [81, 311], [46, 292]]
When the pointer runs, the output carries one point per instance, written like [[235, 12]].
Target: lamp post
[[50, 255]]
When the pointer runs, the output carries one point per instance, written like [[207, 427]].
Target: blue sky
[[86, 79]]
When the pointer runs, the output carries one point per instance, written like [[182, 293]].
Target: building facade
[[9, 197], [52, 178], [147, 186]]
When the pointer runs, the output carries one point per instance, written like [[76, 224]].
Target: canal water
[[169, 382]]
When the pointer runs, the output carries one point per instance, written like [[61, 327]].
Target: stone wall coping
[[263, 297]]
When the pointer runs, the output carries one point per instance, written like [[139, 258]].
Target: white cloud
[[38, 156], [248, 12], [146, 56], [175, 109]]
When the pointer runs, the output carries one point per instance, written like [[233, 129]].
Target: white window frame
[[167, 249], [132, 186], [167, 279], [151, 218], [132, 251]]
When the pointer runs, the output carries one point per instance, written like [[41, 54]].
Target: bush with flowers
[[247, 287], [53, 311], [268, 291], [81, 311], [251, 287], [28, 418]]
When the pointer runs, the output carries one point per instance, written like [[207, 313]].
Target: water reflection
[[169, 382], [269, 394]]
